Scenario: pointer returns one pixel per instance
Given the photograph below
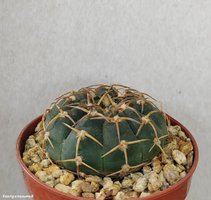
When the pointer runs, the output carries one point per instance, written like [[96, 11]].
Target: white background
[[48, 47]]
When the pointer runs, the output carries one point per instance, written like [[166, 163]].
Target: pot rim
[[155, 195]]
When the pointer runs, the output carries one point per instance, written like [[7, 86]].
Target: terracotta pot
[[41, 191]]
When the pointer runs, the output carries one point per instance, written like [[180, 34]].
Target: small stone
[[131, 194], [170, 147], [42, 175], [120, 196], [136, 176], [186, 147], [179, 157], [63, 188], [30, 142], [171, 174], [51, 169], [111, 190], [76, 185], [126, 190], [127, 182], [180, 168], [86, 187], [118, 183], [95, 186], [35, 167], [154, 182], [156, 165], [88, 195], [35, 158], [174, 130], [115, 189], [27, 160], [183, 174], [166, 159], [107, 182], [146, 169], [182, 135], [91, 178], [165, 184], [74, 192], [57, 173], [100, 195], [57, 180], [50, 183], [50, 178], [145, 194], [140, 185], [67, 178], [45, 163], [189, 160]]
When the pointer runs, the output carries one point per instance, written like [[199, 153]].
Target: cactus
[[105, 130]]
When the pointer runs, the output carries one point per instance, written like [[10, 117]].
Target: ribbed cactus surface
[[107, 130]]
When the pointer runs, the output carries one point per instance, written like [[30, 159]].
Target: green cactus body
[[106, 130]]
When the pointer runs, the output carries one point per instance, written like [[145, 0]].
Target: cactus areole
[[104, 130]]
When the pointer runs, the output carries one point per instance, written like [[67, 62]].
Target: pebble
[[120, 196], [88, 195], [35, 167], [95, 186], [156, 166], [86, 187], [77, 185], [30, 142], [107, 182], [170, 147], [67, 178], [171, 174], [183, 174], [63, 188], [174, 130], [145, 194], [186, 147], [131, 194], [35, 158], [45, 163], [57, 173], [154, 182], [182, 135], [136, 176], [100, 195], [165, 184], [50, 178], [50, 183], [189, 160], [115, 189], [127, 182], [96, 179], [51, 169], [42, 175], [179, 157], [74, 192], [26, 159], [140, 185], [180, 168], [146, 169]]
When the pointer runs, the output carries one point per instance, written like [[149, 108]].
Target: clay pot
[[41, 191]]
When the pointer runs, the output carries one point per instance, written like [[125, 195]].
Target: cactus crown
[[107, 130]]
